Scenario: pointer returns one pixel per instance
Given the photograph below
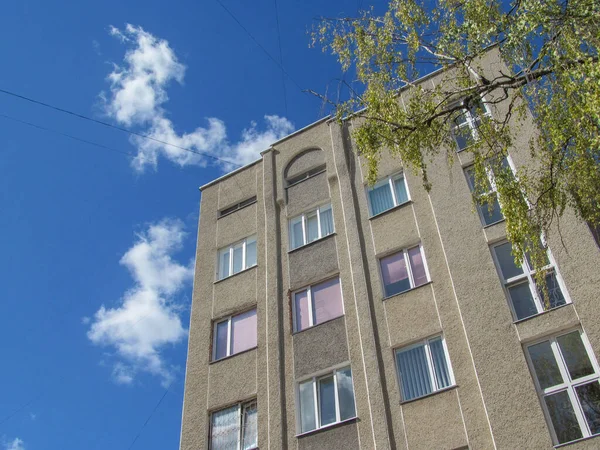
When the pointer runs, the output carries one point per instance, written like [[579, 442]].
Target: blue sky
[[97, 247]]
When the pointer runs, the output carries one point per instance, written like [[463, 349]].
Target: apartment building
[[330, 314]]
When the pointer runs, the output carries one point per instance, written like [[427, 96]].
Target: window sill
[[383, 213], [408, 290], [524, 319], [237, 273], [576, 441], [311, 243], [493, 223], [449, 388], [233, 356], [327, 427], [315, 326]]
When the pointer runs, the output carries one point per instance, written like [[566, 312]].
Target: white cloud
[[147, 318], [138, 93], [16, 444]]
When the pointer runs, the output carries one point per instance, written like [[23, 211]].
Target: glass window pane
[[326, 221], [381, 199], [238, 261], [250, 431], [493, 215], [250, 253], [544, 364], [589, 397], [401, 194], [326, 400], [555, 295], [297, 233], [575, 356], [224, 429], [307, 407], [327, 299], [221, 340], [243, 331], [312, 226], [224, 265], [345, 393], [563, 417], [417, 266], [506, 261], [394, 273], [413, 373], [302, 306], [463, 136], [442, 374], [522, 300]]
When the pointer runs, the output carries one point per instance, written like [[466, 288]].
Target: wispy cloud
[[138, 93], [147, 318], [16, 444]]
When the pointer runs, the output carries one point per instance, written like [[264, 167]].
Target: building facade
[[329, 314]]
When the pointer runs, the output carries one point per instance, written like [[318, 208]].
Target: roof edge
[[228, 174]]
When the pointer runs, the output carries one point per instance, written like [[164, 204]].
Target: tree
[[550, 49]]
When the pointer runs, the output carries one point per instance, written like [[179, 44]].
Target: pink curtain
[[327, 298], [302, 310], [417, 266], [393, 268], [243, 332]]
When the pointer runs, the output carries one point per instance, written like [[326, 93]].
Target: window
[[489, 214], [317, 304], [234, 334], [467, 122], [525, 296], [237, 257], [424, 368], [403, 271], [237, 206], [566, 378], [311, 226], [234, 428], [326, 400], [387, 194], [306, 175]]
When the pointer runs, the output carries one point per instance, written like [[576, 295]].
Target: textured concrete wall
[[306, 160]]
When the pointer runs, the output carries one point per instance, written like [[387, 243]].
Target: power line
[[258, 43], [281, 59], [149, 417], [22, 407], [75, 138], [124, 130]]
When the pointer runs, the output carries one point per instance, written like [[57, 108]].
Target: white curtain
[[414, 373], [250, 434], [326, 222], [381, 199], [225, 429]]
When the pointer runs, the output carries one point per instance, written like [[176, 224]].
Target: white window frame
[[241, 407], [430, 368], [528, 274], [303, 218], [409, 269], [390, 182], [471, 122], [227, 319], [568, 385], [311, 310], [230, 249], [317, 401]]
